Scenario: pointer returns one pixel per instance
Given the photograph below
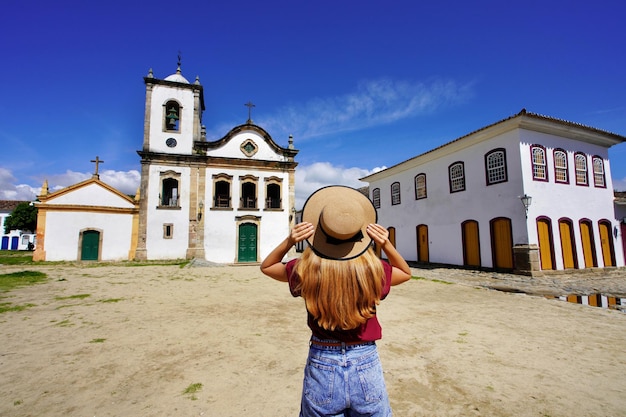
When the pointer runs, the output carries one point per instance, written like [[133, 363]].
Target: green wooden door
[[90, 246], [247, 243]]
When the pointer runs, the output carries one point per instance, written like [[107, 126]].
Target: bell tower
[[171, 170]]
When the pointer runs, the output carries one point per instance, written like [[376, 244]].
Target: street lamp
[[526, 201]]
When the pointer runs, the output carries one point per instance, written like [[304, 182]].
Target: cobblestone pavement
[[611, 282]]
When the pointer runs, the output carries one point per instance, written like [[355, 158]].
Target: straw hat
[[340, 216]]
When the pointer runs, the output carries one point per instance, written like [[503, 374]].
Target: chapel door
[[90, 246], [422, 243], [502, 243], [471, 243], [247, 243], [545, 244]]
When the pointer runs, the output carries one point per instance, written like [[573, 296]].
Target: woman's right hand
[[301, 231]]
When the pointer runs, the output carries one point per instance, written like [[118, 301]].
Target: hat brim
[[318, 241]]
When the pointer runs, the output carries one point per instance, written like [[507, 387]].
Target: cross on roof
[[249, 105], [98, 162]]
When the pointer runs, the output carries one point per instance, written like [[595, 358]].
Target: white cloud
[[372, 103], [11, 191], [309, 178]]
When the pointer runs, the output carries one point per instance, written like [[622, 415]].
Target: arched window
[[561, 174], [456, 176], [495, 166], [581, 169], [273, 198], [248, 192], [395, 193], [221, 191], [170, 191], [420, 186], [171, 121], [540, 173], [598, 172], [376, 197]]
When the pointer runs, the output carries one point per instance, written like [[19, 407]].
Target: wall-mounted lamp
[[526, 201], [200, 205]]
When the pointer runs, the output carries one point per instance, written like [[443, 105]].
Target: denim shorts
[[344, 381]]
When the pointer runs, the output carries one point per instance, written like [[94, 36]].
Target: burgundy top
[[367, 332]]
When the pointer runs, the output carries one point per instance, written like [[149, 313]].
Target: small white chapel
[[229, 200]]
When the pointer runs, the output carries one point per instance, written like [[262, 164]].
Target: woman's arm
[[401, 271], [272, 265]]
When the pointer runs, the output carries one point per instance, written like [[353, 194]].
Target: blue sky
[[359, 84]]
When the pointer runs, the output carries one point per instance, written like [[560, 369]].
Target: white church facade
[[529, 193], [225, 201]]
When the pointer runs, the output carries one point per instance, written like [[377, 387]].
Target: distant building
[[226, 201], [529, 194], [14, 239]]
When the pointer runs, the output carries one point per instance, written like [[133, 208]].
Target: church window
[[495, 166], [598, 172], [273, 193], [248, 192], [581, 169], [168, 231], [169, 196], [540, 172], [249, 148], [376, 197], [172, 116], [456, 175], [560, 166], [420, 186], [395, 193], [222, 194]]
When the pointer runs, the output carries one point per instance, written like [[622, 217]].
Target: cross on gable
[[97, 162], [249, 105]]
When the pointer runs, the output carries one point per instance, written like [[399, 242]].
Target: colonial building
[[226, 201], [529, 193]]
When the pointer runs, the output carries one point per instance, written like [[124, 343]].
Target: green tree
[[24, 217]]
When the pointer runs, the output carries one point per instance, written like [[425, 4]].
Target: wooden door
[[471, 243], [544, 232], [567, 246], [422, 243], [90, 247], [247, 243], [589, 251], [502, 243], [606, 240]]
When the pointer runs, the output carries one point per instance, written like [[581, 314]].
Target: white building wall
[[91, 195], [184, 137], [157, 246], [444, 212], [570, 201], [63, 234], [221, 225]]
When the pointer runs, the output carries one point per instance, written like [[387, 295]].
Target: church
[[225, 201]]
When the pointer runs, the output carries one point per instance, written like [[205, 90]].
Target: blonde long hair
[[340, 294]]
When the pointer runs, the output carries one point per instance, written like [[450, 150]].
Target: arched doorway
[[247, 251], [568, 246], [606, 242], [422, 243], [90, 245], [502, 243], [546, 246], [471, 243], [589, 247]]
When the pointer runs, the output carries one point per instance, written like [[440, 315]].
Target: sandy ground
[[128, 341]]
